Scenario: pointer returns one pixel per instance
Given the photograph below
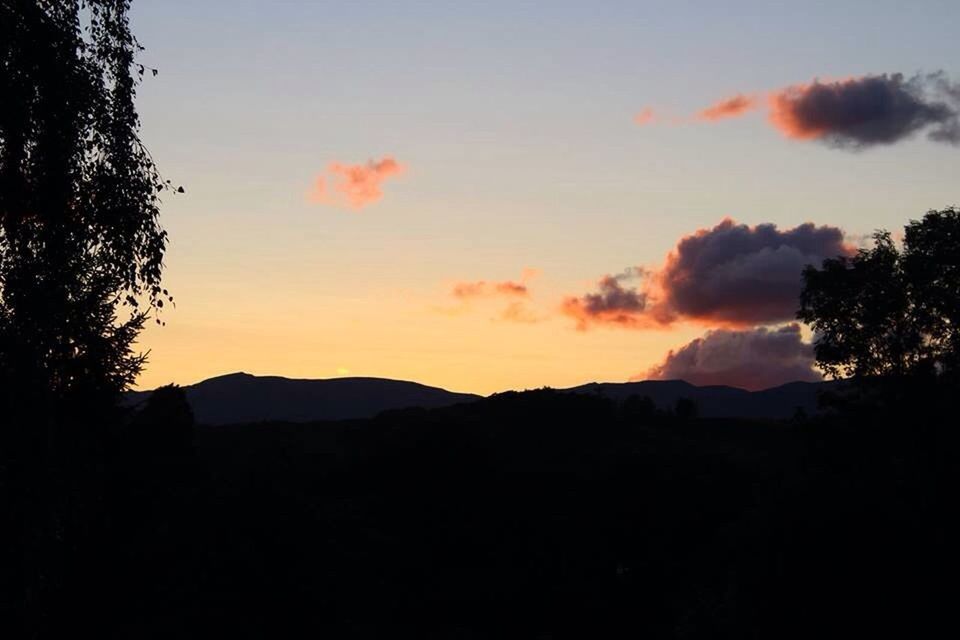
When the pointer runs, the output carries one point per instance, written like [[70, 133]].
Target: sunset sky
[[493, 195]]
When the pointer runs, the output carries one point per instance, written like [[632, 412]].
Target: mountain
[[718, 401], [241, 397]]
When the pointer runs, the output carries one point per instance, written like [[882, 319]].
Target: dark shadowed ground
[[533, 515]]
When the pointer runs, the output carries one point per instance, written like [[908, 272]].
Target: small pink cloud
[[517, 293], [482, 288], [733, 107], [355, 185], [644, 117]]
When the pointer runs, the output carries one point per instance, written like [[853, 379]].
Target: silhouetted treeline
[[529, 515]]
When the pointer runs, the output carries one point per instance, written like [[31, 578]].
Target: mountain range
[[244, 398]]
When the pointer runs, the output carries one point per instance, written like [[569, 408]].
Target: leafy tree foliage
[[931, 263], [890, 312], [81, 248]]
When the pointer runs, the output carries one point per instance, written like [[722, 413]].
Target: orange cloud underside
[[585, 318], [784, 117]]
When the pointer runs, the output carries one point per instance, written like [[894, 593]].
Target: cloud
[[731, 275], [751, 359], [733, 107], [738, 275], [645, 117], [354, 185], [856, 113], [482, 288], [868, 111], [517, 293], [614, 304]]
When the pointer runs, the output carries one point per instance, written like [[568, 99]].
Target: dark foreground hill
[[241, 397], [776, 403], [530, 515]]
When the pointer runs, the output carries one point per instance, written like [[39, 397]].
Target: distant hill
[[241, 397], [718, 401]]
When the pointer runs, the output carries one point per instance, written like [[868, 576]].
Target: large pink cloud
[[867, 111], [855, 113], [751, 359], [730, 275], [354, 185]]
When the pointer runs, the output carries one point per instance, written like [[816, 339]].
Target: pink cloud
[[516, 292], [644, 117], [482, 288], [356, 185], [733, 107]]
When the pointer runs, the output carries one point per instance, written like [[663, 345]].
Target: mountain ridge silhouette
[[241, 397]]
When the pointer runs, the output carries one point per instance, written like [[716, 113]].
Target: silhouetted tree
[[165, 422], [931, 263], [81, 248], [81, 251], [887, 313]]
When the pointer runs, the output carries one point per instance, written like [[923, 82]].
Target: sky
[[505, 195]]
